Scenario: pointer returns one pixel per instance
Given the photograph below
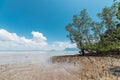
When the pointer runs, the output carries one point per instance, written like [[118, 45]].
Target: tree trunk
[[83, 52]]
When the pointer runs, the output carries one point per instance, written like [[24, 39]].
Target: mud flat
[[38, 71], [93, 67], [40, 67], [35, 65]]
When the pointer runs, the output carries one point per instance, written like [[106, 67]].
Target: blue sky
[[48, 17]]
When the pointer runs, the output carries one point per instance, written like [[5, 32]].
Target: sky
[[40, 24]]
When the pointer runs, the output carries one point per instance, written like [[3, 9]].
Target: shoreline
[[66, 67], [92, 67]]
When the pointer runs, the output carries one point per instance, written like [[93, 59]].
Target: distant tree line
[[96, 36]]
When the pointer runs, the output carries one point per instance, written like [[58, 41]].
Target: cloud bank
[[11, 41]]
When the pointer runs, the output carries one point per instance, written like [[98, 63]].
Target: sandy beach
[[38, 72], [34, 66], [37, 67]]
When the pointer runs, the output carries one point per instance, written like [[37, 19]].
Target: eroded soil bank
[[92, 67]]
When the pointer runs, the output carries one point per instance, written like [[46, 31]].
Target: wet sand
[[38, 72], [34, 66], [37, 67]]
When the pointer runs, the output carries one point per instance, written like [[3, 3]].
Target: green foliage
[[108, 17], [79, 29], [91, 36], [118, 13], [118, 8]]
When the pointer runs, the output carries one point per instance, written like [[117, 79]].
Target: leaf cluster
[[94, 36]]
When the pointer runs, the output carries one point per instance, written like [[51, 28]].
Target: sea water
[[13, 57]]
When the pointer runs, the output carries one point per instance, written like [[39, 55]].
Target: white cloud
[[11, 41], [6, 36], [38, 35]]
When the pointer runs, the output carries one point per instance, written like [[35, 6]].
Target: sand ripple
[[38, 72]]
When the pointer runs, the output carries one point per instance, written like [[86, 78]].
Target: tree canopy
[[96, 36]]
